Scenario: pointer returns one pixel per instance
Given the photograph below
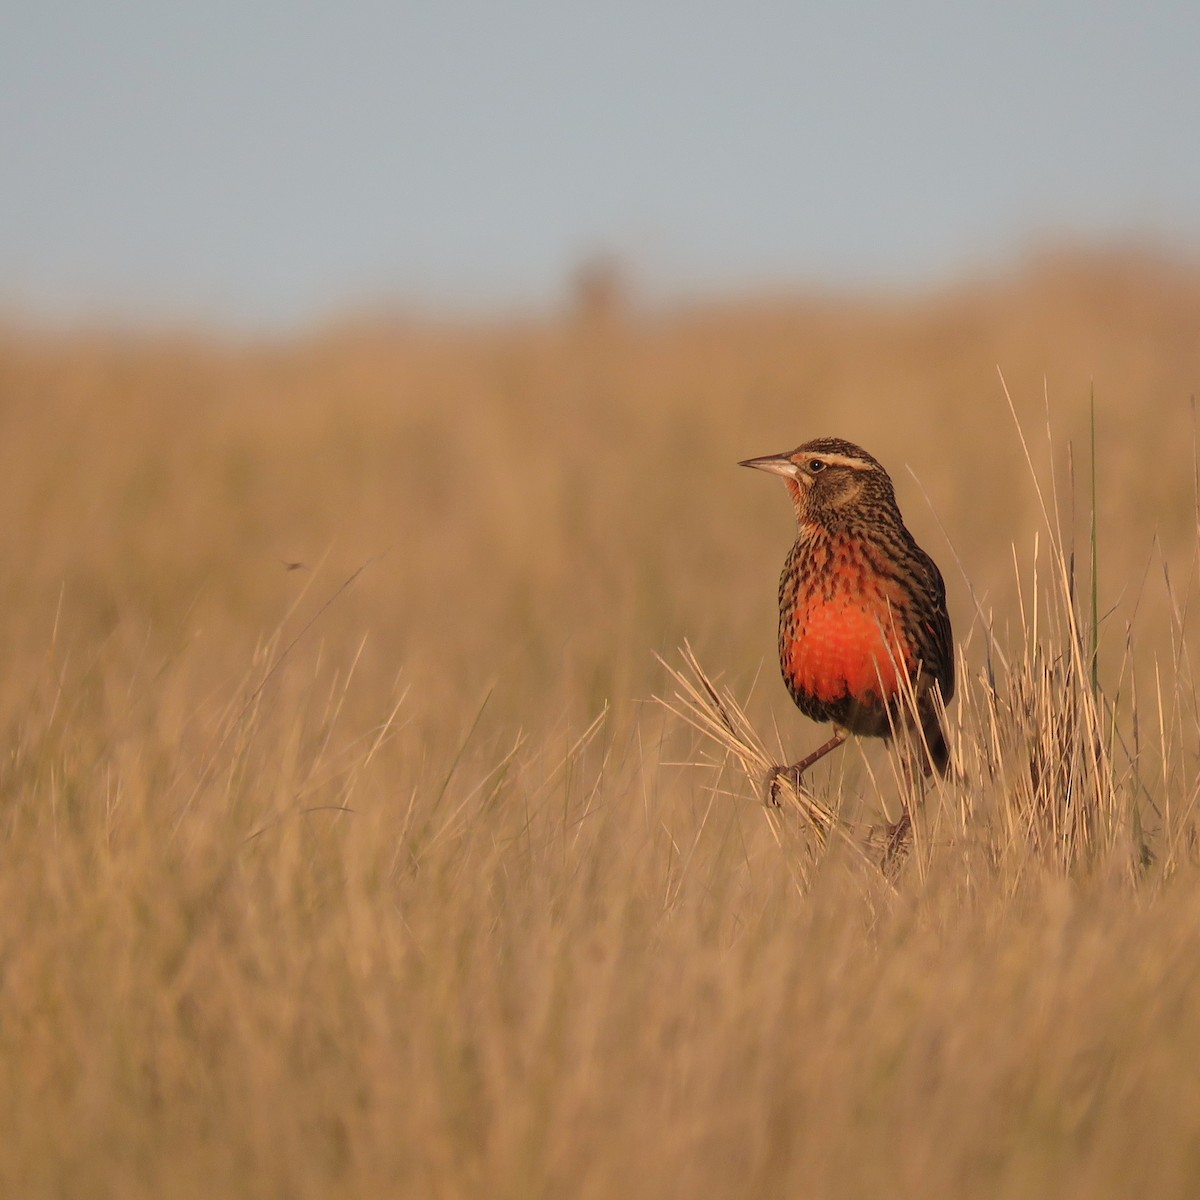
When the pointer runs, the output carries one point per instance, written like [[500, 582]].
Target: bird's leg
[[896, 843], [797, 769], [914, 767]]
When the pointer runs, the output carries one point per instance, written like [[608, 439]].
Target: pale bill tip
[[777, 464]]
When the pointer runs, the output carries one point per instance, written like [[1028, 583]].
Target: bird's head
[[829, 479]]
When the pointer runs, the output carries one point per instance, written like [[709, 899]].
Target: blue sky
[[266, 164]]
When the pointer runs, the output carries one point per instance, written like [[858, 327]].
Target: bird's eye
[[816, 464]]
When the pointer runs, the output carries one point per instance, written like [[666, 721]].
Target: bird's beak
[[777, 464]]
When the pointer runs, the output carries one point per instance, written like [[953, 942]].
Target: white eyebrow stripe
[[842, 460]]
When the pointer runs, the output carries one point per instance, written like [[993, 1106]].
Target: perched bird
[[864, 635]]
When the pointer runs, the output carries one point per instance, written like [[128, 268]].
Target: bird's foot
[[898, 839], [774, 780]]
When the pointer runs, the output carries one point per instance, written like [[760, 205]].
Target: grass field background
[[347, 852]]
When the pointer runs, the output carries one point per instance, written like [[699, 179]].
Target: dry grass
[[384, 875]]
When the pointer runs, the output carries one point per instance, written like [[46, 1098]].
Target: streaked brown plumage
[[862, 608]]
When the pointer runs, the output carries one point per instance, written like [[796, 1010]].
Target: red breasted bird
[[862, 608]]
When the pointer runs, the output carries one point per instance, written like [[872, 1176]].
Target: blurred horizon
[[607, 289], [273, 169]]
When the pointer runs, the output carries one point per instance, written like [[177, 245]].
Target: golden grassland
[[346, 849]]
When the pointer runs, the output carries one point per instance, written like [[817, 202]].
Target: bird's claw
[[771, 784], [897, 841]]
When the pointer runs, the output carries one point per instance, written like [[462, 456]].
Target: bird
[[865, 641]]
